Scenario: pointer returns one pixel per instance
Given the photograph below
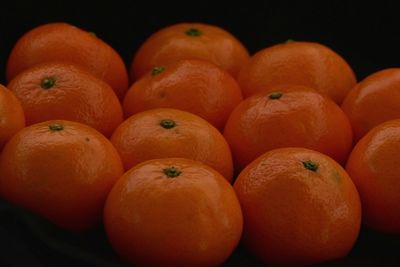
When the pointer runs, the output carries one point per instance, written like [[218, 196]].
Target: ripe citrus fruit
[[298, 63], [189, 41], [374, 166], [11, 115], [65, 42], [168, 133], [173, 212], [374, 100], [64, 91], [196, 86], [61, 170], [299, 207], [288, 116]]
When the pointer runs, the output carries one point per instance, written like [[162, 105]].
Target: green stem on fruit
[[56, 127], [193, 32], [157, 70], [167, 123], [48, 82], [310, 165], [275, 95], [172, 172]]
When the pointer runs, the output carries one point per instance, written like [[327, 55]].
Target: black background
[[367, 35]]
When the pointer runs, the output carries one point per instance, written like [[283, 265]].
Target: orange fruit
[[190, 41], [288, 116], [173, 212], [61, 170], [298, 63], [299, 206], [374, 100], [196, 86], [168, 133], [374, 166], [64, 91], [65, 42], [11, 115]]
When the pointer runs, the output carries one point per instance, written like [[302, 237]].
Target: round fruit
[[173, 212], [374, 166], [196, 86], [168, 133], [190, 41], [64, 91], [293, 116], [373, 101], [298, 63], [61, 170], [299, 207], [64, 42], [11, 115]]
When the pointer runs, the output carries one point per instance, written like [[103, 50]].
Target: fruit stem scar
[[310, 165], [193, 32], [289, 41], [48, 82], [56, 127], [172, 172], [157, 70], [167, 123], [275, 95]]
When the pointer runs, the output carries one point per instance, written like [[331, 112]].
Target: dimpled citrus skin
[[76, 95], [298, 63], [374, 166], [193, 219], [195, 86], [172, 44], [142, 137], [374, 100], [67, 43], [300, 117], [294, 215], [63, 175], [12, 117]]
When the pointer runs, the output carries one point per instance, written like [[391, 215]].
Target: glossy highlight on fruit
[[287, 116], [298, 63], [299, 206], [167, 133], [63, 42], [190, 41], [195, 86], [374, 166], [372, 101], [61, 170], [59, 90], [173, 212], [12, 117]]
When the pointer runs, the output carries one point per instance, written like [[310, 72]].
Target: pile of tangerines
[[206, 146]]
